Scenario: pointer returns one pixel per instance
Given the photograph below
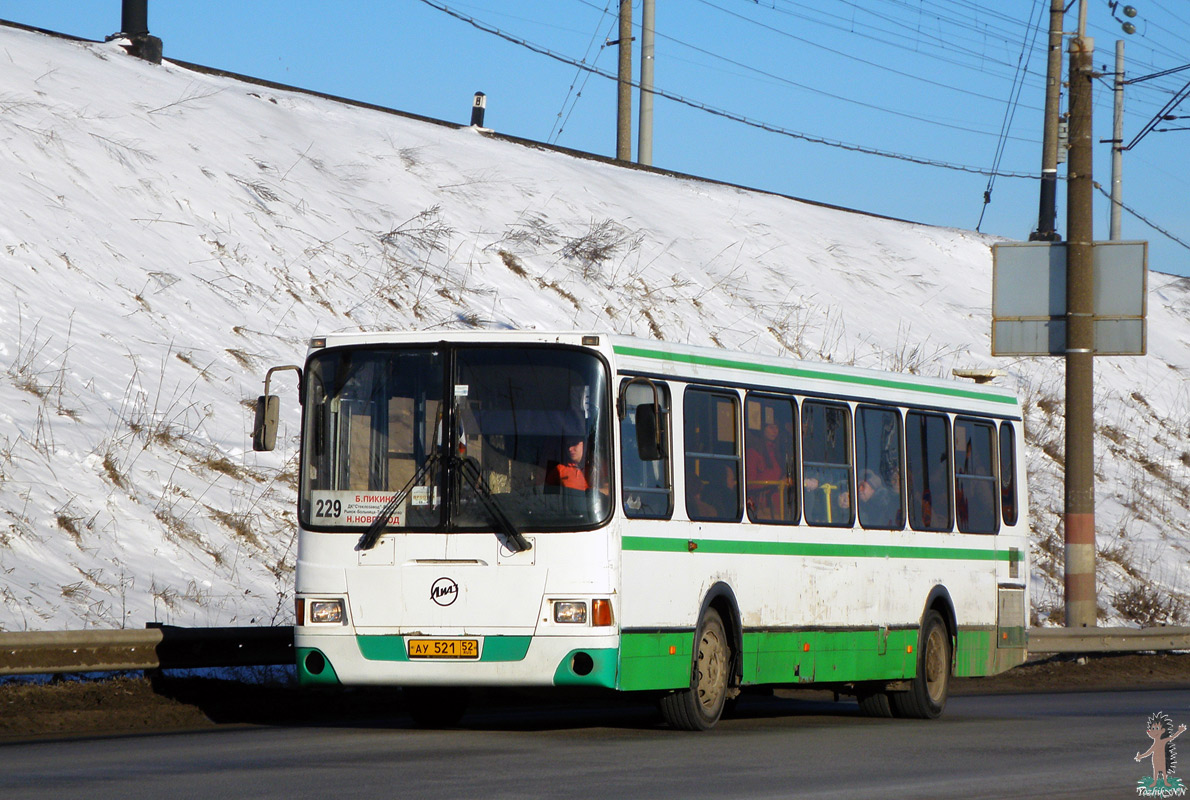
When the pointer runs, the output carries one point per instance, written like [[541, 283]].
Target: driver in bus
[[571, 472], [574, 470]]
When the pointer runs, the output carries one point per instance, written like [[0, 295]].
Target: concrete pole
[[1047, 210], [624, 96], [1081, 607], [644, 141], [1117, 143]]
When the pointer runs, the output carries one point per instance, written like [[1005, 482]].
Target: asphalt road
[[994, 746]]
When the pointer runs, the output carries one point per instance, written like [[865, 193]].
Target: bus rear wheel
[[926, 697], [699, 707]]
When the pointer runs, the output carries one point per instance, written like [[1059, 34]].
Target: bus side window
[[826, 464], [648, 491], [1008, 472], [927, 455], [770, 460], [712, 449], [975, 480], [878, 468]]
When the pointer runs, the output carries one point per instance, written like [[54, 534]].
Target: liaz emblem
[[444, 591]]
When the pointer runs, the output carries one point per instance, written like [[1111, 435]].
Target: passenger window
[[770, 462], [826, 464], [648, 492], [712, 455], [1008, 472], [927, 459], [974, 476], [878, 468]]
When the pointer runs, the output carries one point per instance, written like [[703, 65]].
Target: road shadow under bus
[[283, 703], [231, 702]]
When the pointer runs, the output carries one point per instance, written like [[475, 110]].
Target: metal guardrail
[[157, 647], [169, 647], [1107, 640]]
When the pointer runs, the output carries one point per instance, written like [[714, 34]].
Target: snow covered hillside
[[167, 235]]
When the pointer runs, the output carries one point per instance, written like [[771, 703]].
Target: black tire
[[699, 707], [875, 704], [926, 698], [435, 706]]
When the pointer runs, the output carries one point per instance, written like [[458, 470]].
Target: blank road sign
[[1029, 298]]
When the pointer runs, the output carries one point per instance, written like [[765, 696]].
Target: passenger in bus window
[[716, 497], [975, 501], [768, 475], [938, 498], [826, 496], [879, 505]]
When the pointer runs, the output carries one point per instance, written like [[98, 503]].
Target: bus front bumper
[[347, 658]]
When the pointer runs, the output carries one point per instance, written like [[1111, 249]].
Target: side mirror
[[264, 429], [650, 433], [268, 412]]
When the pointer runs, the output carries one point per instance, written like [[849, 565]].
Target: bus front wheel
[[926, 697], [699, 707]]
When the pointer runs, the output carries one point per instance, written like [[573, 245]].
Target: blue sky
[[916, 80]]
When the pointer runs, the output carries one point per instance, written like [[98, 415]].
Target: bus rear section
[[815, 525]]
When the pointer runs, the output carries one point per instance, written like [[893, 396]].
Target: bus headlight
[[327, 612], [570, 611]]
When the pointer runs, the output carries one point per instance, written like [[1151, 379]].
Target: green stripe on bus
[[392, 648], [505, 648], [813, 374], [829, 656], [654, 544], [806, 657], [647, 663]]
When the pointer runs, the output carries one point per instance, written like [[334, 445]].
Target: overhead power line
[[561, 121], [842, 54], [911, 43], [1144, 219], [820, 92], [996, 28], [1010, 111], [760, 125]]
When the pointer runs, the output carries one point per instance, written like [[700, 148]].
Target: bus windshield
[[450, 438]]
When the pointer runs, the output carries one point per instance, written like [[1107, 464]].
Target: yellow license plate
[[443, 648]]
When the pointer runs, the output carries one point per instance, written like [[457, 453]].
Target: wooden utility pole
[[624, 96], [1081, 606]]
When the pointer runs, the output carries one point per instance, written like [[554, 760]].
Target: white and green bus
[[585, 509]]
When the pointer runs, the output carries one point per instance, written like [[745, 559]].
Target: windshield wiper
[[372, 535], [467, 469]]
